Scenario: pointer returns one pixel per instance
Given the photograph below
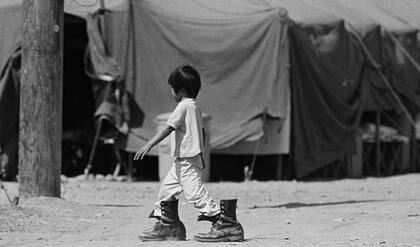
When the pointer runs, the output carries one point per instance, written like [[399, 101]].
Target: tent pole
[[406, 53], [413, 152], [130, 168], [377, 144], [132, 42]]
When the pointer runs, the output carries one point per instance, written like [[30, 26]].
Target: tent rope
[[250, 172], [86, 5], [212, 9], [402, 48], [383, 77]]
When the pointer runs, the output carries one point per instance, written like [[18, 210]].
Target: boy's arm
[[162, 134]]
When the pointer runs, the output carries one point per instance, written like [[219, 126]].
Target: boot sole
[[237, 238], [160, 239]]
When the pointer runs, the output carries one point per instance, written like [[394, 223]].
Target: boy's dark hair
[[187, 78]]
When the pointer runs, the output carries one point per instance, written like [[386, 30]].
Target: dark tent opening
[[78, 101], [82, 95]]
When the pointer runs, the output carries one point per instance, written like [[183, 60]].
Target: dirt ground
[[350, 212]]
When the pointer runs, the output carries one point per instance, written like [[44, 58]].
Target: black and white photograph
[[209, 123]]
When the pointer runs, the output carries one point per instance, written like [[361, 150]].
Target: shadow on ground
[[300, 204]]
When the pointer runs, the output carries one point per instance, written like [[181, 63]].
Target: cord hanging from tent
[[383, 77], [248, 172], [402, 48]]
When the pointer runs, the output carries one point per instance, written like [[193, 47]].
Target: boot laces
[[216, 225], [157, 225], [222, 222]]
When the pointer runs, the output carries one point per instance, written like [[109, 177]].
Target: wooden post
[[404, 128], [279, 167], [355, 165], [377, 145], [130, 168], [41, 87]]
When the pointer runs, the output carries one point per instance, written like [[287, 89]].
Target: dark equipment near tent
[[111, 96]]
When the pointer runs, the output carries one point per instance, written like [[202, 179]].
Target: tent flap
[[327, 97]]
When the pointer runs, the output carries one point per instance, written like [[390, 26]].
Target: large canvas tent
[[338, 51]]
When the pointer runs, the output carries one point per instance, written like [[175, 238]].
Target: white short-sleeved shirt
[[187, 139]]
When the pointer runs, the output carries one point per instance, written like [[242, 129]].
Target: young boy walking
[[187, 146]]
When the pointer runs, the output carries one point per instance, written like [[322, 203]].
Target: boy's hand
[[142, 152]]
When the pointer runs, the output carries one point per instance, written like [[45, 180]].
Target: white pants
[[184, 176]]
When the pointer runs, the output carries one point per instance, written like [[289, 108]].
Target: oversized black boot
[[227, 228], [169, 226]]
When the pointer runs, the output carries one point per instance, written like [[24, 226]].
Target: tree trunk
[[40, 118]]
